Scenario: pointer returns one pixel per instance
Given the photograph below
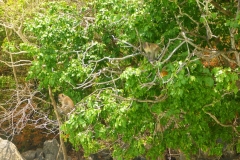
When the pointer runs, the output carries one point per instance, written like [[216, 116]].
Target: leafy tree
[[20, 99], [187, 100]]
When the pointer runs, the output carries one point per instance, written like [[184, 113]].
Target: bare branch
[[115, 59], [15, 64], [217, 6], [24, 112]]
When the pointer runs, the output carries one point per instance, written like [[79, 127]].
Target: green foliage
[[60, 36], [6, 82], [125, 104]]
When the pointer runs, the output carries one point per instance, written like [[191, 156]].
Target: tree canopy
[[187, 100]]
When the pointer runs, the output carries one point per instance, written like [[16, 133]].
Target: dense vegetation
[[187, 100]]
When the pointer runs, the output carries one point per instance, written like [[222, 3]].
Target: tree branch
[[59, 122], [218, 7]]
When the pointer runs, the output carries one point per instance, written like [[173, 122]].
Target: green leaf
[[209, 81]]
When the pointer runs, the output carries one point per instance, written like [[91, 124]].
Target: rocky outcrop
[[29, 155], [8, 151], [50, 151]]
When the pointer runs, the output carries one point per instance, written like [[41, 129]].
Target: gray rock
[[49, 157], [40, 156], [8, 151], [39, 152], [29, 155], [51, 147]]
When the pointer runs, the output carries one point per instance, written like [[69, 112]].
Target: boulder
[[51, 150], [39, 152], [40, 156], [29, 155], [8, 151]]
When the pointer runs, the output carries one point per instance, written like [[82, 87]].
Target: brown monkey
[[67, 104], [151, 50]]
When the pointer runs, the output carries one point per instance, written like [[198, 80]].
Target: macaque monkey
[[67, 104], [151, 50]]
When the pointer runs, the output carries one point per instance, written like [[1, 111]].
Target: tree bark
[[59, 122]]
